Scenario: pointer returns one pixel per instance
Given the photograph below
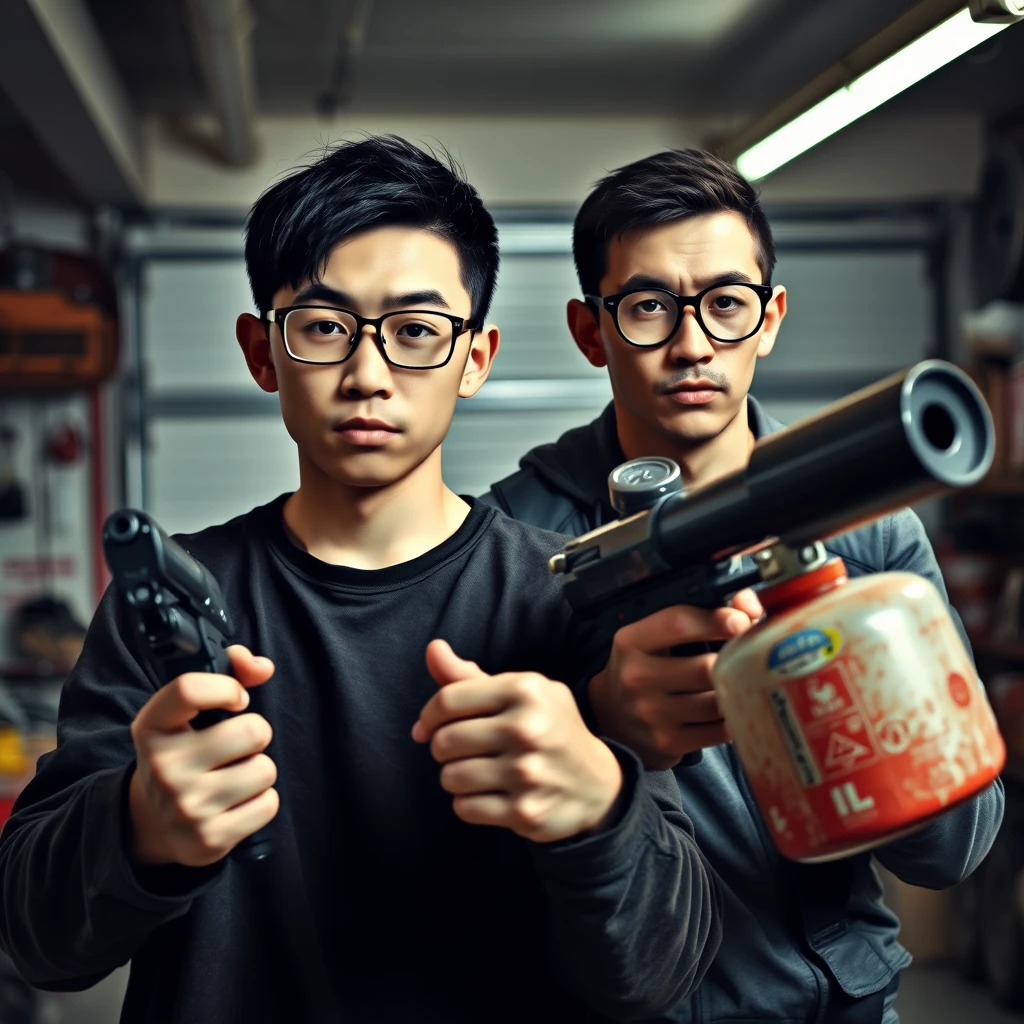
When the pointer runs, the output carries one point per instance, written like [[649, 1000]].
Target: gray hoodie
[[802, 943]]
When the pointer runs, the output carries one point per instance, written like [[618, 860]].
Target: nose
[[366, 372], [690, 344]]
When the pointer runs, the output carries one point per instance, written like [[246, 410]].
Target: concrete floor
[[929, 994]]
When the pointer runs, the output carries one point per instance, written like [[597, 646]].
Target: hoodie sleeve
[[634, 917], [955, 843], [633, 914], [73, 905]]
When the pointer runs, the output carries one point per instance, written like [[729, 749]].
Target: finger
[[663, 749], [476, 775], [681, 624], [445, 666], [696, 737], [173, 706], [683, 710], [650, 674], [228, 741], [749, 603], [484, 809], [228, 787], [470, 698], [227, 830], [248, 668], [472, 737]]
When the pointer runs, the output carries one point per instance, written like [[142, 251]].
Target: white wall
[[553, 161], [511, 161]]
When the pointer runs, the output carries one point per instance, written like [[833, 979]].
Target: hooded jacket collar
[[578, 463]]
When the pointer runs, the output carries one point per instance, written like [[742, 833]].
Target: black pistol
[[178, 614]]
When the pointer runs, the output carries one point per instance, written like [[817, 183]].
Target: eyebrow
[[647, 281], [324, 293]]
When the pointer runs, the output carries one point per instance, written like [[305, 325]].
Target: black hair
[[668, 186], [381, 181]]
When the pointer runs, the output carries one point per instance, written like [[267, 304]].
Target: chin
[[693, 426], [369, 477], [372, 469]]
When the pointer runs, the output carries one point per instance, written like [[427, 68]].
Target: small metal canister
[[855, 710]]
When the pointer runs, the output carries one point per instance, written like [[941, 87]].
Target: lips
[[366, 433], [694, 393]]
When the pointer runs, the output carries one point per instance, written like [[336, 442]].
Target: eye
[[325, 328], [647, 306], [416, 331], [728, 299]]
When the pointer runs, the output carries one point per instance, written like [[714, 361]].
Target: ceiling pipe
[[222, 30], [351, 41]]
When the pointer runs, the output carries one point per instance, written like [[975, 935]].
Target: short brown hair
[[668, 186]]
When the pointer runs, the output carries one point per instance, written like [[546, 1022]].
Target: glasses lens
[[731, 312], [417, 339], [319, 335], [648, 317]]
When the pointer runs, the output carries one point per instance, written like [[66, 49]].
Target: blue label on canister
[[804, 651]]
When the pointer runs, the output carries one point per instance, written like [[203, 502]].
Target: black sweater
[[409, 913]]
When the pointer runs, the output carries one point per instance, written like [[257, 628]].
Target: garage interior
[[135, 136]]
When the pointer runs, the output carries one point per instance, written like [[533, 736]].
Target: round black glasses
[[646, 317]]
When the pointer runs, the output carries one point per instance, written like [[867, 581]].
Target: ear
[[774, 314], [252, 340], [586, 331], [483, 347]]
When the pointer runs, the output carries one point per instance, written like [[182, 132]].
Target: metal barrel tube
[[917, 434]]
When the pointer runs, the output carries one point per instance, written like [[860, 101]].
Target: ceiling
[[25, 162], [706, 59], [502, 56]]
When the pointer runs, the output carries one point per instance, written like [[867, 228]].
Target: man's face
[[364, 422], [689, 389]]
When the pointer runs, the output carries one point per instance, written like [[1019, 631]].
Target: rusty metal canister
[[856, 711]]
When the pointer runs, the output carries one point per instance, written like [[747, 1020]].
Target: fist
[[515, 751], [196, 794], [662, 706]]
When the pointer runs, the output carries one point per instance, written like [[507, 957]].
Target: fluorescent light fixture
[[915, 61]]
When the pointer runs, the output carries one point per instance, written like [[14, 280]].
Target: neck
[[699, 462], [373, 527]]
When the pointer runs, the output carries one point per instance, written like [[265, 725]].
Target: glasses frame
[[459, 327], [611, 303]]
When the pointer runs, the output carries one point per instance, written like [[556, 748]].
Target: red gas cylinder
[[855, 710]]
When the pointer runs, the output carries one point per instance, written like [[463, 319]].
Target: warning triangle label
[[842, 752]]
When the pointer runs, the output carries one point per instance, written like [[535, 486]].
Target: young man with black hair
[[675, 259], [386, 627]]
